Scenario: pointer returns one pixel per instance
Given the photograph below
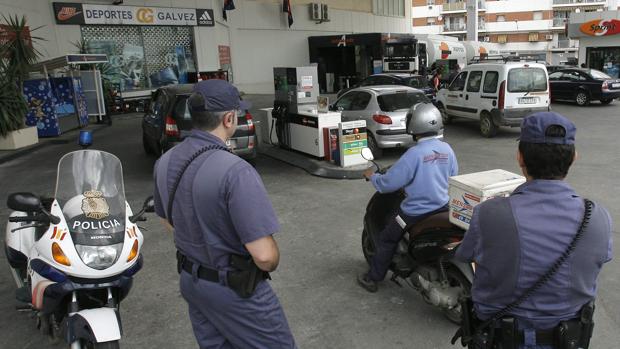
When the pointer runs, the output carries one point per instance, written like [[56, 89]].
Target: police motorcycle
[[73, 256], [424, 258]]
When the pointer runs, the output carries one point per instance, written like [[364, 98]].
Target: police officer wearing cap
[[537, 252], [223, 224]]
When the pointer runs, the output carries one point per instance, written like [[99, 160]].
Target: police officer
[[514, 241], [423, 172], [223, 225]]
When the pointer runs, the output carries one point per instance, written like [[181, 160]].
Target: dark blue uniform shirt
[[547, 215], [221, 203]]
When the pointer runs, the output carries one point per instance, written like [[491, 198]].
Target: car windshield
[[400, 100], [597, 74], [418, 82], [527, 80]]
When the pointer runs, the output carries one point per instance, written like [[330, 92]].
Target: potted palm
[[17, 55]]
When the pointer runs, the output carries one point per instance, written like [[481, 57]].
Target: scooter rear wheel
[[456, 279]]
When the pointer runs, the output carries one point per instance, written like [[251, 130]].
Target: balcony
[[482, 26], [559, 22], [565, 44], [461, 6], [454, 27], [573, 3]]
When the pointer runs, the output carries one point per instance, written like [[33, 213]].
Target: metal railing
[[565, 44], [461, 6], [455, 27], [482, 26], [577, 2], [559, 22]]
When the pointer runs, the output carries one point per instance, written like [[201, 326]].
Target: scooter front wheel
[[103, 345], [368, 245]]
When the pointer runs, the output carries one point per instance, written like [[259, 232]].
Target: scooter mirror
[[367, 154], [25, 202], [149, 205]]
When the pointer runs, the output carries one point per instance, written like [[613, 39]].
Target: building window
[[532, 37], [538, 16], [430, 20], [502, 39], [501, 18], [430, 2], [392, 8]]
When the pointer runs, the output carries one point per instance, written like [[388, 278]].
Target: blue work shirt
[[423, 172], [221, 203], [547, 215]]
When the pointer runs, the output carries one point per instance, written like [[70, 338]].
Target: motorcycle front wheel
[[456, 279], [102, 345]]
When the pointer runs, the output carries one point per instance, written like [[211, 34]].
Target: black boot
[[368, 284]]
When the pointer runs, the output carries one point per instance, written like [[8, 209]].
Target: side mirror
[[367, 154], [149, 205], [332, 107], [25, 202]]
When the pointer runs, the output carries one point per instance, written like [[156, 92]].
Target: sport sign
[[77, 13], [601, 27]]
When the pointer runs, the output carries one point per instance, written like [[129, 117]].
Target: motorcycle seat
[[439, 220]]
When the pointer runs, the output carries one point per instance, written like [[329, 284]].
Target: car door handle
[[461, 95], [466, 97]]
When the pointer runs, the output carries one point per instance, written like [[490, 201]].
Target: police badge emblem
[[94, 205]]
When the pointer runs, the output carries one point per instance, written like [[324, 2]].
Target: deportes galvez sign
[[601, 27], [77, 13]]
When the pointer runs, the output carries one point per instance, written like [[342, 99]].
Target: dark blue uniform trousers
[[387, 242], [222, 319]]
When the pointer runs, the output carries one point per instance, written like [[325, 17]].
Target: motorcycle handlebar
[[22, 219]]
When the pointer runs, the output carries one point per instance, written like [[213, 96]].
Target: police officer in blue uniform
[[423, 173], [515, 241], [223, 224]]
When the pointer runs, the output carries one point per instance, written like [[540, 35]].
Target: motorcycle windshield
[[91, 194]]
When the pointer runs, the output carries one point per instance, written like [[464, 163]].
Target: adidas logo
[[205, 16]]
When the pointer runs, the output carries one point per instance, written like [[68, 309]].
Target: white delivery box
[[468, 190]]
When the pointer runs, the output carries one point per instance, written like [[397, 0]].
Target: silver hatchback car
[[384, 108]]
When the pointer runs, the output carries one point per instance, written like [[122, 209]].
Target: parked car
[[416, 81], [385, 110], [167, 122], [496, 94], [583, 85]]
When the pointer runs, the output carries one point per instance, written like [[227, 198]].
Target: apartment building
[[519, 26]]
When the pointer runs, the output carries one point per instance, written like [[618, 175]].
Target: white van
[[497, 94]]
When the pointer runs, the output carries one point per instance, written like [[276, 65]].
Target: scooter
[[73, 256], [424, 258]]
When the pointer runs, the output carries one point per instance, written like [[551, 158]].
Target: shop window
[[532, 37], [142, 57], [605, 59]]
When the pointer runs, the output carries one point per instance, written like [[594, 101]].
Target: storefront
[[599, 40], [147, 47]]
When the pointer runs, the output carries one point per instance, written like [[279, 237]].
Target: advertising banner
[[353, 139], [77, 13]]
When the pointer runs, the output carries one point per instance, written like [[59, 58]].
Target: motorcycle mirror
[[149, 205], [367, 154], [86, 139], [26, 202]]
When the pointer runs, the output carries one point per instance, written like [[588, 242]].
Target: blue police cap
[[534, 128], [218, 95]]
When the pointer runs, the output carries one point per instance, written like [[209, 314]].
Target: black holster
[[246, 276], [576, 333]]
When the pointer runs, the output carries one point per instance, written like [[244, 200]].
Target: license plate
[[231, 143], [617, 85], [528, 100]]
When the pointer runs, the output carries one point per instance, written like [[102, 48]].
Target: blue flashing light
[[86, 139]]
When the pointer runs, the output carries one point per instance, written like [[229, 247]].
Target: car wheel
[[147, 147], [488, 129], [445, 117], [374, 147], [582, 98], [606, 101]]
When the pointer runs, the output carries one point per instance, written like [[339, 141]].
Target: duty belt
[[203, 272], [543, 337]]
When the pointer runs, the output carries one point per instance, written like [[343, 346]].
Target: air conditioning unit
[[549, 37], [315, 11], [324, 13], [487, 39]]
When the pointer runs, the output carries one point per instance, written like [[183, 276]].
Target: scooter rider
[[538, 252], [423, 173]]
